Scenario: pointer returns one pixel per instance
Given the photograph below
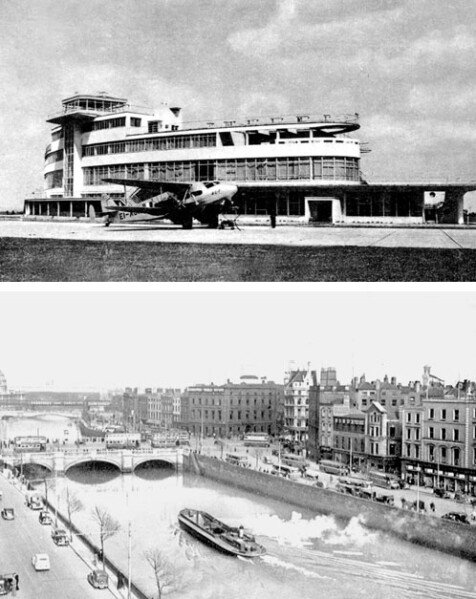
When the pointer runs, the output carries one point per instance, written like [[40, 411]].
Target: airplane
[[178, 202]]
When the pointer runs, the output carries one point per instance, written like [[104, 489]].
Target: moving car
[[457, 517], [7, 583], [41, 561], [98, 579]]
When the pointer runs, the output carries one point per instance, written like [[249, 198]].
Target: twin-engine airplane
[[178, 202]]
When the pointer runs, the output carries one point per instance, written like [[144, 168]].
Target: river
[[309, 555]]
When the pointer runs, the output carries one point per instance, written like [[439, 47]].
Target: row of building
[[425, 430]]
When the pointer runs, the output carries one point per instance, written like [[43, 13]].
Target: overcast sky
[[406, 66], [95, 339]]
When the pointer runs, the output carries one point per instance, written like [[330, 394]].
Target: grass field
[[95, 261]]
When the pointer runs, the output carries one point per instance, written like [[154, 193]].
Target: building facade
[[439, 439], [297, 386], [253, 405], [349, 439], [304, 167]]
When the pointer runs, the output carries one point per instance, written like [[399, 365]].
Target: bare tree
[[108, 527], [73, 505], [165, 576]]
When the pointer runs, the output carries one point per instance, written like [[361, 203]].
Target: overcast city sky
[[94, 339], [406, 66]]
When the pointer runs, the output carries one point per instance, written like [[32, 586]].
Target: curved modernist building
[[301, 167]]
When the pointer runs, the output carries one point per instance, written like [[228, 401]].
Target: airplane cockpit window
[[209, 184], [196, 193]]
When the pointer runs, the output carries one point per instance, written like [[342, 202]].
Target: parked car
[[45, 517], [457, 517], [34, 502], [60, 537], [41, 561], [8, 513], [443, 493], [98, 579]]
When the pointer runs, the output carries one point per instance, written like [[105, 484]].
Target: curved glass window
[[236, 170], [54, 179]]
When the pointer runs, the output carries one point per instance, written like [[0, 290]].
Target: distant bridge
[[125, 460]]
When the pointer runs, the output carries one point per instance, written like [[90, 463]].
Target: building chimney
[[393, 380]]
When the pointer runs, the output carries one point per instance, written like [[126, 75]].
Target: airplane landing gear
[[213, 222], [187, 223]]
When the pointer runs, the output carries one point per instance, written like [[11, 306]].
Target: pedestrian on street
[[432, 507]]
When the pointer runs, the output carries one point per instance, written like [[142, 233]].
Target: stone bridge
[[126, 460]]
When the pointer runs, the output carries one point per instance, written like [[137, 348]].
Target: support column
[[71, 209], [452, 211]]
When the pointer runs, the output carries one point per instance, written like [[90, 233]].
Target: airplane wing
[[157, 186]]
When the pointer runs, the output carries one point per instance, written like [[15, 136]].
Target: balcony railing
[[72, 109]]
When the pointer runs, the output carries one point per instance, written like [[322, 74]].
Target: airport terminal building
[[303, 168]]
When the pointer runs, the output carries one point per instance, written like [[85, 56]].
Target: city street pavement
[[25, 536], [288, 235], [256, 455]]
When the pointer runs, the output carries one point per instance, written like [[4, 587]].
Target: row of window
[[233, 400], [444, 413], [203, 140], [443, 457], [389, 204], [252, 169], [383, 402], [444, 436], [105, 124], [198, 414], [346, 443]]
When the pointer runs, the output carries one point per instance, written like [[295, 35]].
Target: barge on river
[[224, 538]]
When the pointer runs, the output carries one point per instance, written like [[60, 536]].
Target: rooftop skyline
[[108, 339], [405, 66]]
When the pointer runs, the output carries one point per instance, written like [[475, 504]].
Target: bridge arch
[[47, 465], [158, 460], [92, 460]]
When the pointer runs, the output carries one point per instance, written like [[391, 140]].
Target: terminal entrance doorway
[[320, 210]]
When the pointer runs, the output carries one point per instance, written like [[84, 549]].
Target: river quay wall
[[443, 535]]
